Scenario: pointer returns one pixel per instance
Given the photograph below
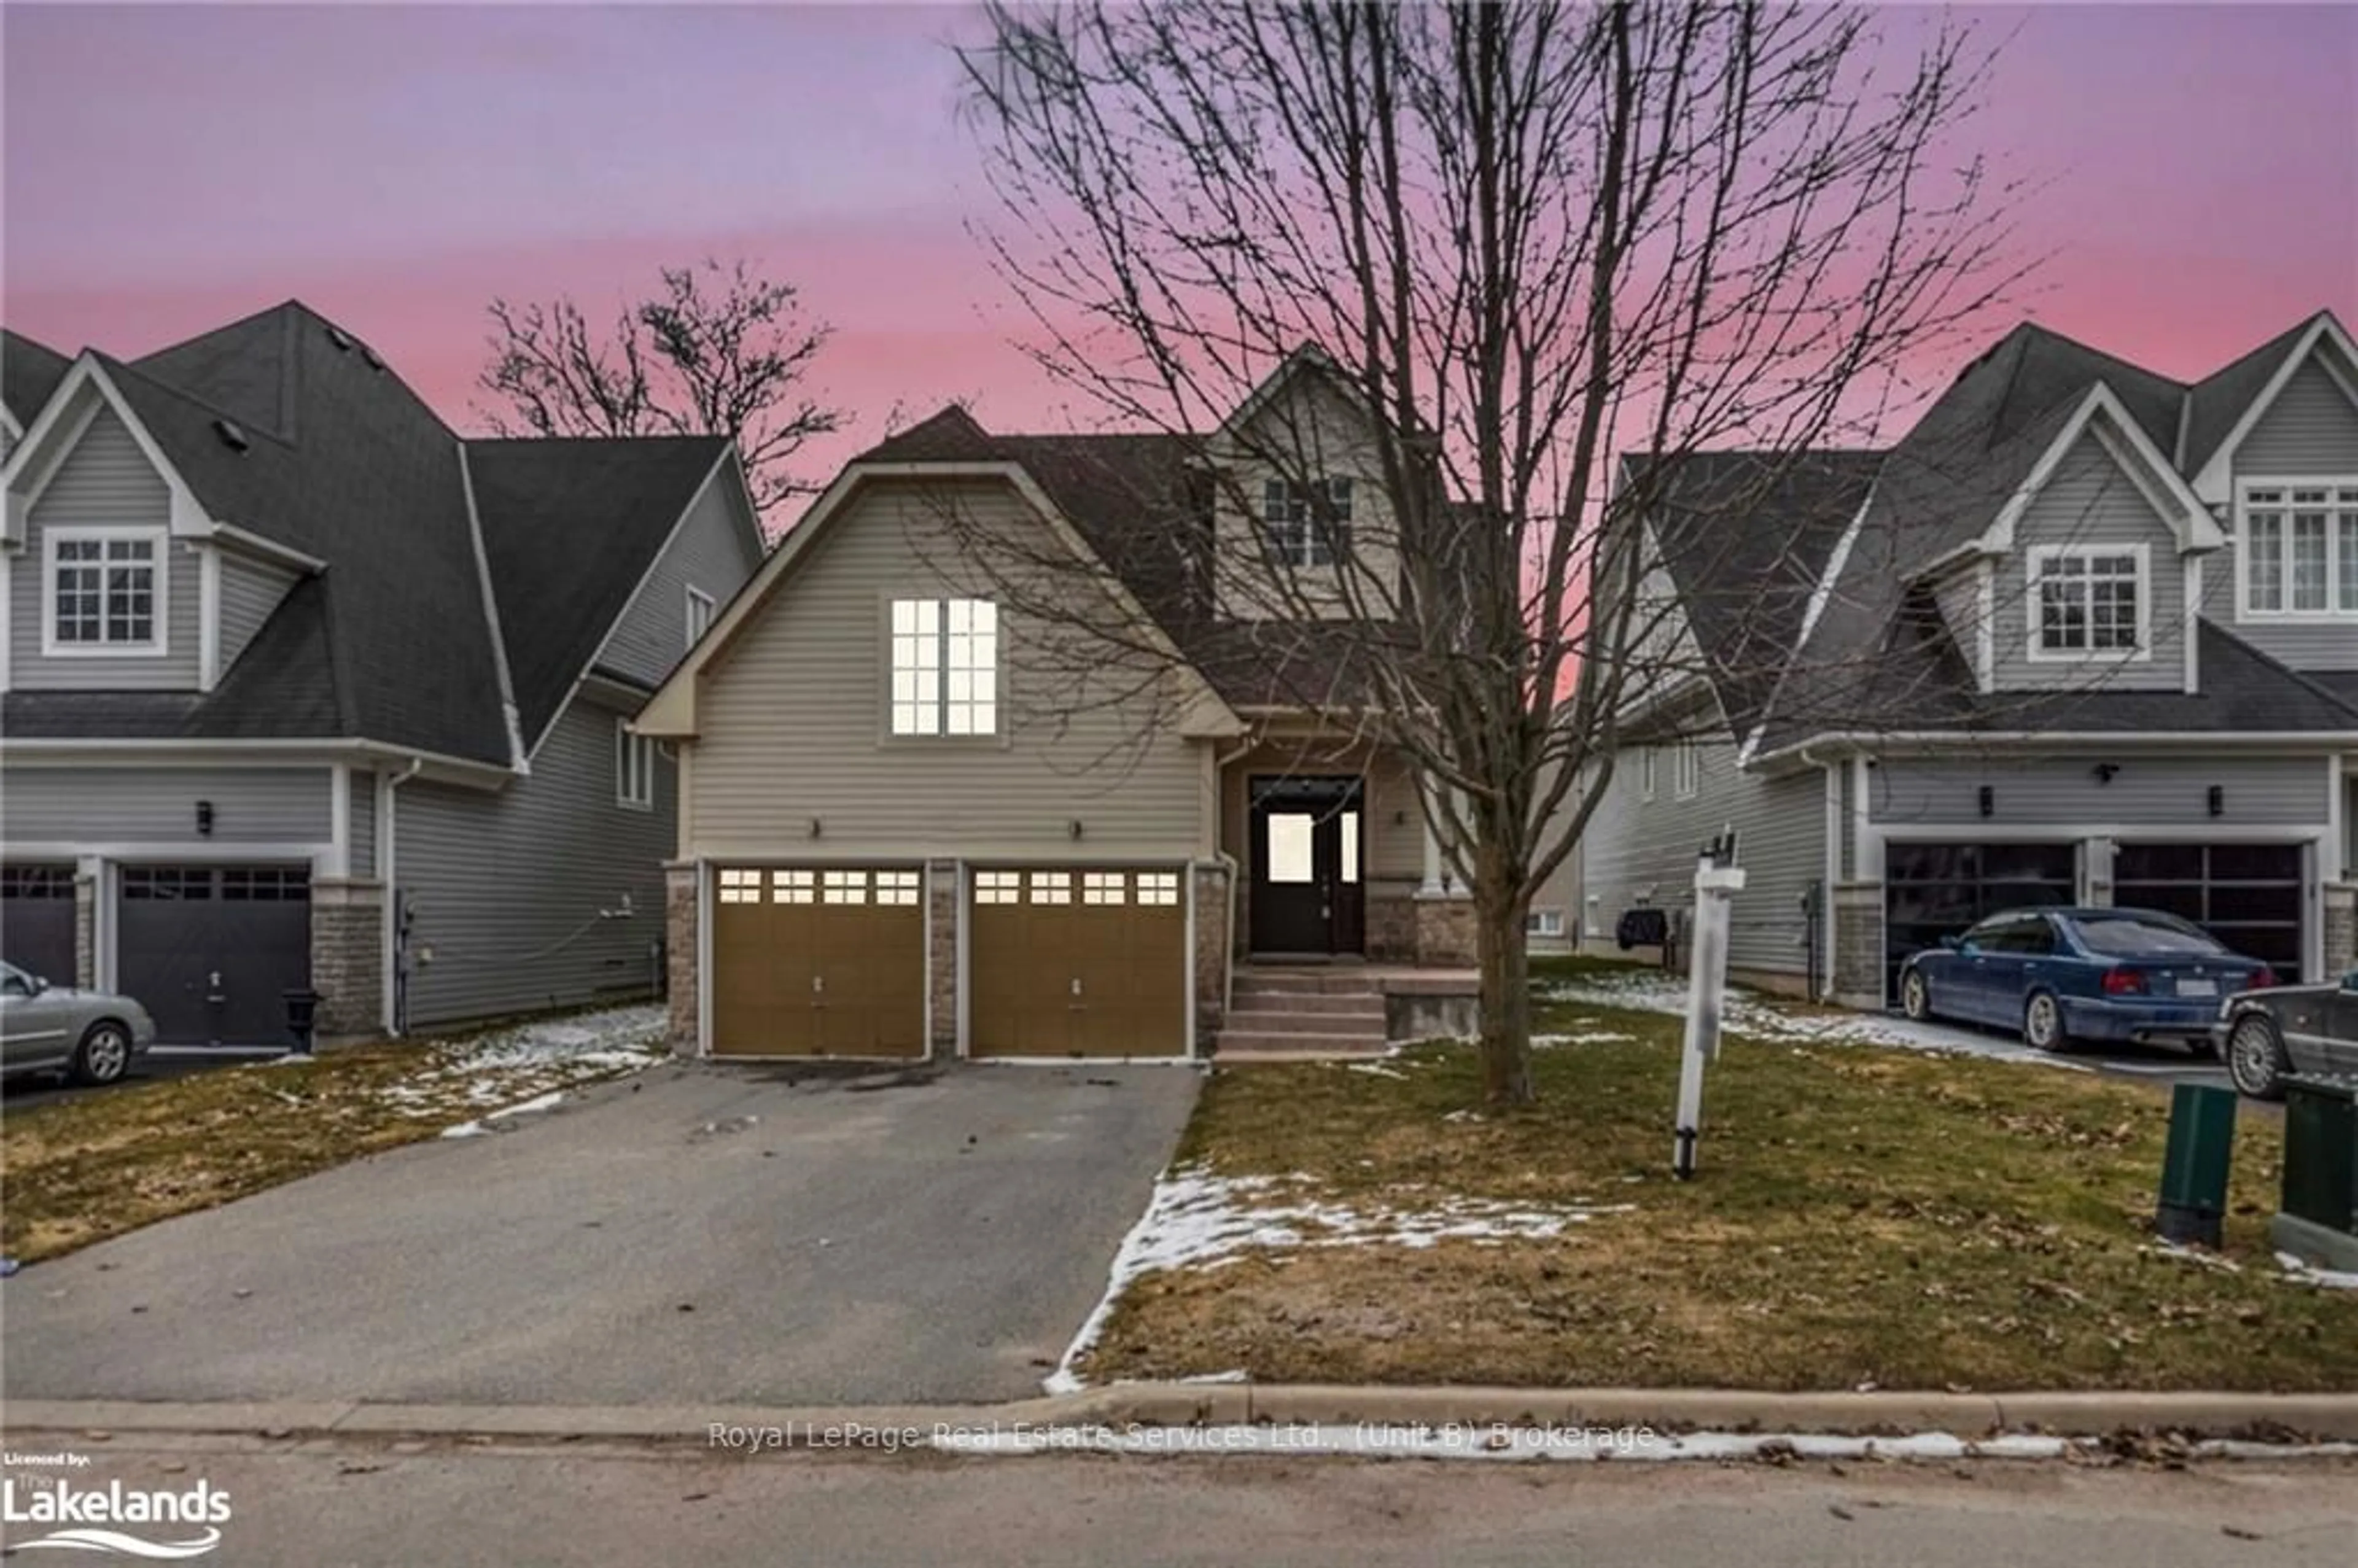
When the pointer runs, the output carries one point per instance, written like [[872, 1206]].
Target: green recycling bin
[[2194, 1164], [2320, 1172]]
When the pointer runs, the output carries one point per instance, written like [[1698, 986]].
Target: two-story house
[[304, 689], [924, 813], [2085, 633]]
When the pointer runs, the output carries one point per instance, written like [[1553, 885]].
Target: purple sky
[[168, 168]]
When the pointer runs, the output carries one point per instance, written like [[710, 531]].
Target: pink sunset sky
[[168, 168]]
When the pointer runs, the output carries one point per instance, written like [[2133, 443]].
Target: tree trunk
[[1506, 1003]]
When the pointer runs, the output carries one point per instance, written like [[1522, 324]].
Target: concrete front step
[[1368, 1004], [1296, 982], [1270, 1019], [1290, 1046]]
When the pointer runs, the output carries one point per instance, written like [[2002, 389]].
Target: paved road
[[693, 1234], [322, 1506]]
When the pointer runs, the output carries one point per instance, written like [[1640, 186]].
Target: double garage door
[[2247, 895], [832, 961]]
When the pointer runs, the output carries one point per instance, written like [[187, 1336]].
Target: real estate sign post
[[1715, 886]]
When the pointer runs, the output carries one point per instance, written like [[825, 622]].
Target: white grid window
[[793, 887], [2299, 548], [106, 590], [2088, 600], [1051, 887], [845, 887], [945, 667], [1104, 887], [1544, 923], [635, 768], [699, 614], [1687, 770], [740, 886], [1298, 535], [896, 887], [1158, 887], [998, 887]]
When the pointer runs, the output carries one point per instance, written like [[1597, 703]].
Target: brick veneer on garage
[[2341, 928], [1212, 955], [85, 931], [1858, 943], [680, 907], [942, 899]]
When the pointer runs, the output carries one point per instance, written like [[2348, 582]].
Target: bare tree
[[1499, 245], [720, 350]]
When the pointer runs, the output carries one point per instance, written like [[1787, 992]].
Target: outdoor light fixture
[[204, 819], [1989, 801], [2218, 800], [814, 827], [2105, 772], [1073, 828]]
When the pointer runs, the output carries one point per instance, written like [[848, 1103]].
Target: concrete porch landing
[[1320, 1012]]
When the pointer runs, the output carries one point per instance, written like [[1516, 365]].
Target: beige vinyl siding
[[711, 551], [793, 733], [1321, 434], [2309, 432], [2089, 501], [518, 894], [104, 482], [250, 591], [144, 804]]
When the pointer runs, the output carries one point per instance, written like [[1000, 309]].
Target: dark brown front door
[[1307, 896]]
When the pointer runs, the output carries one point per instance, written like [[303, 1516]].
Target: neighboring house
[[2085, 634], [920, 820], [303, 688]]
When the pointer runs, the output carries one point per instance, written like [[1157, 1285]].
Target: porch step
[[1280, 1016], [1306, 982], [1270, 1045]]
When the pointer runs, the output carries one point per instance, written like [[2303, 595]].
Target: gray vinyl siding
[[711, 552], [2309, 432], [250, 591], [1847, 780], [2064, 791], [362, 849], [1959, 597], [104, 482], [2089, 501], [505, 889], [99, 806], [792, 723], [1639, 851]]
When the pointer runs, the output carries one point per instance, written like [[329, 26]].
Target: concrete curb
[[2272, 1417]]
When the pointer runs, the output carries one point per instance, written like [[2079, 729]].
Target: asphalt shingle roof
[[29, 371]]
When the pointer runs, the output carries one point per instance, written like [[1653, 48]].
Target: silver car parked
[[91, 1036]]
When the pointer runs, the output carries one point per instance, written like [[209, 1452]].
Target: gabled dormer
[[1302, 522]]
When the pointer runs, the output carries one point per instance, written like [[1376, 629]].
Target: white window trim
[[1645, 773], [2036, 650], [2330, 616], [694, 634], [1313, 544], [997, 735], [634, 768], [159, 646], [1535, 924], [1687, 770]]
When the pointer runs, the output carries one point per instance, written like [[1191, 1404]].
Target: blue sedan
[[2067, 975]]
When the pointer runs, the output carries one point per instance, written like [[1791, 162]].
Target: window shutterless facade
[[2296, 548], [2088, 602], [944, 655], [1299, 535], [634, 768], [699, 614], [105, 592], [1686, 777]]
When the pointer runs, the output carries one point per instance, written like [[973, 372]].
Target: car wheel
[[104, 1054], [2255, 1058], [1914, 996], [2042, 1024]]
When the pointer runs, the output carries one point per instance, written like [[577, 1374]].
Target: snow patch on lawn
[[1197, 1220], [1748, 1013], [527, 1068]]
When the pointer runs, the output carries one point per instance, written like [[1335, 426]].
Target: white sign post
[[1715, 887]]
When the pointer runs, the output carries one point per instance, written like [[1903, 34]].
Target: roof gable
[[2243, 388]]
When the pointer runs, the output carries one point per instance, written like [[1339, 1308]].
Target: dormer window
[[2298, 548], [2088, 602], [105, 591], [1298, 535]]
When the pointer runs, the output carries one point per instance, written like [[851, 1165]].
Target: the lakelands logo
[[173, 1523]]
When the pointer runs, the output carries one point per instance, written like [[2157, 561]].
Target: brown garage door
[[1078, 963], [822, 961]]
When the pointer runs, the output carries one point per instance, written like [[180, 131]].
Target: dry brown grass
[[1863, 1216]]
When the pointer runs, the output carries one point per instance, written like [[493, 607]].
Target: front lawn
[[1866, 1216], [80, 1170]]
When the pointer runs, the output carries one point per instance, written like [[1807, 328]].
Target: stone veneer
[[1858, 943], [680, 909], [1390, 927], [942, 890], [2340, 929], [85, 931], [348, 956], [1444, 932], [1213, 941]]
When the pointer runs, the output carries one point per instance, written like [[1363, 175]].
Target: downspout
[[1822, 940], [398, 994]]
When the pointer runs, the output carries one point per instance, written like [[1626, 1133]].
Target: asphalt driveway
[[694, 1233]]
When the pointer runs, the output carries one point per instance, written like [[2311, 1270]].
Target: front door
[[1305, 853]]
